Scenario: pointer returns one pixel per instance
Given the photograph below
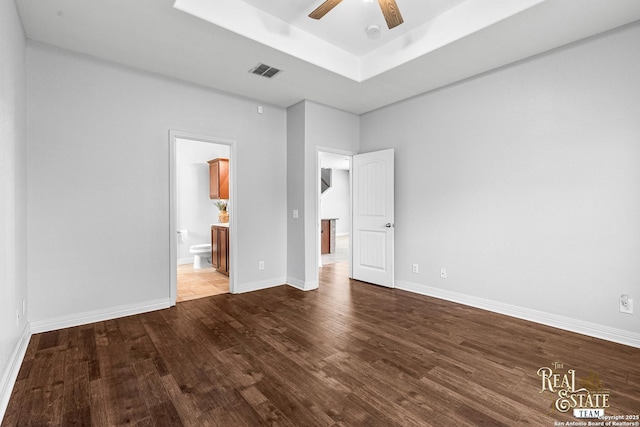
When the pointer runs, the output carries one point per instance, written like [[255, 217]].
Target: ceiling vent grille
[[264, 71]]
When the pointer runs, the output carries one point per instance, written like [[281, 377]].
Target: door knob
[[388, 225]]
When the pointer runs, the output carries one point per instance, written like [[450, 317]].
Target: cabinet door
[[219, 179], [214, 192], [325, 237], [214, 247], [223, 250], [223, 179]]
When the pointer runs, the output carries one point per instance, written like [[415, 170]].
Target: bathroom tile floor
[[193, 284]]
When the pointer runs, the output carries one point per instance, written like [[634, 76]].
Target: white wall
[[296, 274], [334, 202], [328, 128], [311, 125], [524, 182], [13, 195], [98, 173], [196, 211]]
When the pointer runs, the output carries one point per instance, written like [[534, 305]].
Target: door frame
[[173, 208], [318, 216]]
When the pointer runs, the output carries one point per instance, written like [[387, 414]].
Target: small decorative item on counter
[[223, 216]]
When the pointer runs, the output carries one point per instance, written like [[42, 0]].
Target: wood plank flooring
[[348, 354], [205, 282]]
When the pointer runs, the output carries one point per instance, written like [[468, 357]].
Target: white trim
[[301, 285], [93, 316], [259, 285], [183, 261], [173, 208], [11, 374], [556, 321], [295, 283]]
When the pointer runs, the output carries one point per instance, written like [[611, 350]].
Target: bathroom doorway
[[201, 238]]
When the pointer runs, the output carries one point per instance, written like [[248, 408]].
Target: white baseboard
[[561, 322], [11, 374], [241, 288], [183, 261], [97, 315], [303, 286]]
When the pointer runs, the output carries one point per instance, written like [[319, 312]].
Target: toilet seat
[[206, 247]]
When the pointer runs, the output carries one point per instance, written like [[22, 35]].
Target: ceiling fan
[[389, 10]]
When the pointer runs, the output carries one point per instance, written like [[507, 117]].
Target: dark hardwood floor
[[348, 354]]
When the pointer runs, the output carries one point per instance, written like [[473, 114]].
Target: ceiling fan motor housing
[[373, 31]]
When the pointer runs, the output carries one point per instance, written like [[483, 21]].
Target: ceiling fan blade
[[324, 8], [391, 13]]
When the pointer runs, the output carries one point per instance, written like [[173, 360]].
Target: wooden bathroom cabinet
[[219, 179], [220, 248]]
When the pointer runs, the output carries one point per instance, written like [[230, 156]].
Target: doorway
[[201, 263], [370, 216], [334, 208]]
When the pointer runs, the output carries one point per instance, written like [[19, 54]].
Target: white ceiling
[[345, 26], [334, 161], [328, 61]]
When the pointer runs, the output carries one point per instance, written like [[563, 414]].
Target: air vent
[[264, 71]]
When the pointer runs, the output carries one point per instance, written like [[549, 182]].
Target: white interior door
[[373, 218]]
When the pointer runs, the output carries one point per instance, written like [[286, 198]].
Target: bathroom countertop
[[221, 224]]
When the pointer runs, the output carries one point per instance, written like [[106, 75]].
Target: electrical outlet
[[443, 273], [626, 304], [261, 265], [295, 213], [414, 268]]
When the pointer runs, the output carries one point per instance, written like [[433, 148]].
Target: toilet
[[201, 255]]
